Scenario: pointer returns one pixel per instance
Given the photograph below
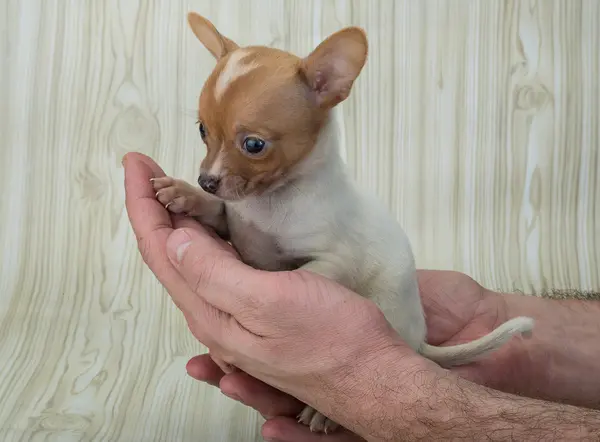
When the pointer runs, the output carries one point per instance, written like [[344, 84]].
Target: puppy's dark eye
[[254, 145], [202, 130]]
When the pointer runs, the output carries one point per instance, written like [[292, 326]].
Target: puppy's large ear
[[330, 70], [205, 31]]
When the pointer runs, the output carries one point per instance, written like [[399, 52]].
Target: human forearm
[[466, 411], [399, 399], [559, 361]]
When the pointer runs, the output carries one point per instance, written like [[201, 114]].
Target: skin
[[456, 306], [289, 333]]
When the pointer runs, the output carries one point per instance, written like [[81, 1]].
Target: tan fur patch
[[270, 101], [272, 95]]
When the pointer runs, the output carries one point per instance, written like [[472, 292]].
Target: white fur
[[234, 69], [216, 168]]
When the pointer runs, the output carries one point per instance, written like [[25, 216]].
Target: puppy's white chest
[[259, 233]]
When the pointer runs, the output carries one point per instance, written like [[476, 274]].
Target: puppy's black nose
[[210, 184]]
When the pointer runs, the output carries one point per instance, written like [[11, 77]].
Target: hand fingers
[[265, 399], [203, 368], [145, 212], [138, 186], [139, 170], [212, 271], [271, 403], [243, 388], [156, 170], [149, 219], [285, 429], [152, 226], [182, 222]]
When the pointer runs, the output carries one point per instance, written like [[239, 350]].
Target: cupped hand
[[458, 310], [295, 331]]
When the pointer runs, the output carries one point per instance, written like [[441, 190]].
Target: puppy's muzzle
[[209, 183]]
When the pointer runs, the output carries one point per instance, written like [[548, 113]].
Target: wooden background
[[476, 121]]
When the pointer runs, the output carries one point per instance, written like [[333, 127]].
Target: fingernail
[[177, 244]]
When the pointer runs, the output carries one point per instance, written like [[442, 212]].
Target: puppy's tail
[[469, 352]]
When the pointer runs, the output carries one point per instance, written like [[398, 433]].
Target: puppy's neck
[[324, 163], [320, 177]]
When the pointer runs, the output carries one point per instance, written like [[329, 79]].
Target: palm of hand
[[459, 310]]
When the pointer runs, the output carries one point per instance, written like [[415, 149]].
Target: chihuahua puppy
[[273, 183]]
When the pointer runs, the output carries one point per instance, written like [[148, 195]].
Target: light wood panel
[[476, 121]]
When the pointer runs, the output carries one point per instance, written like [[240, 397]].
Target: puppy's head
[[261, 109]]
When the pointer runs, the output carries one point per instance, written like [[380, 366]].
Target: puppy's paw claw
[[176, 196], [316, 422], [162, 182], [330, 426]]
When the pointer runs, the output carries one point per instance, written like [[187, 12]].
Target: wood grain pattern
[[477, 122]]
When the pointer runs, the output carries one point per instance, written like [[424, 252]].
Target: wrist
[[554, 364], [375, 396], [396, 401]]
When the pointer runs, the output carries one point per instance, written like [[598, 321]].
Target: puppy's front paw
[[176, 195], [316, 421]]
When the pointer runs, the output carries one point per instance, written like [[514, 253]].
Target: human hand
[[458, 310], [462, 411], [295, 331], [278, 408]]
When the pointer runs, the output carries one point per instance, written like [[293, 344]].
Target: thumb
[[211, 271]]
